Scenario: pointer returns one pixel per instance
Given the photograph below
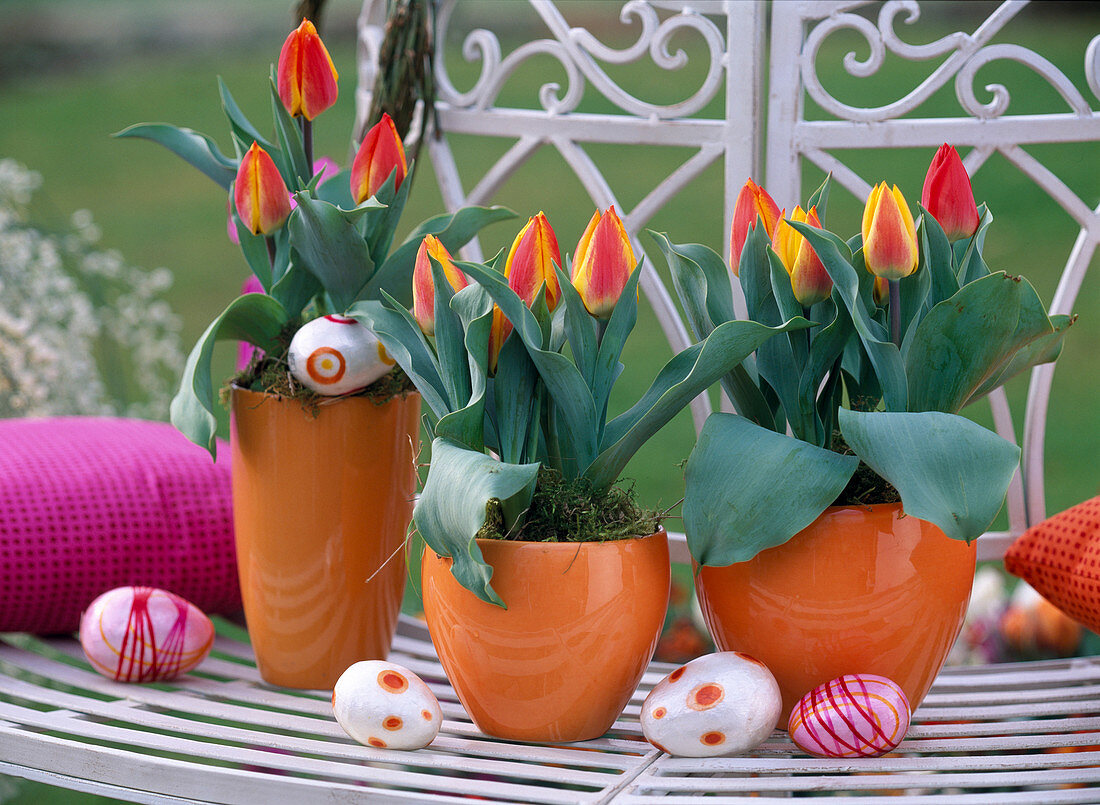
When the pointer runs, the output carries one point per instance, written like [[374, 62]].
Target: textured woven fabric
[[1060, 558], [89, 504]]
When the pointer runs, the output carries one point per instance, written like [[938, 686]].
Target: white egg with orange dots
[[144, 634], [385, 705], [855, 715], [333, 355], [720, 704]]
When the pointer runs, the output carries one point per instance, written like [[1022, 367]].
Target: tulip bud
[[889, 235], [810, 282], [947, 195], [881, 292], [529, 267], [752, 202], [424, 282], [259, 193], [380, 154], [603, 263], [306, 76]]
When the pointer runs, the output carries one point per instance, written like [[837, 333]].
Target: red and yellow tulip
[[753, 202], [424, 284], [306, 76], [259, 193], [810, 281], [380, 154], [603, 263], [529, 267], [948, 196], [889, 234]]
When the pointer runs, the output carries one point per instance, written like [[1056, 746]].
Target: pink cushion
[[90, 504]]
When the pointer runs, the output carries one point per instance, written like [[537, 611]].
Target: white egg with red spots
[[144, 634], [855, 715], [385, 705], [333, 355], [720, 704]]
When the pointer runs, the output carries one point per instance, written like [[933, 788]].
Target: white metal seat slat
[[241, 741]]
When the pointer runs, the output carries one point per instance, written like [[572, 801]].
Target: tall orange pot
[[861, 590], [561, 662], [321, 506]]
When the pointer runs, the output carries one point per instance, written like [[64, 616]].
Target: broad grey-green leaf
[[331, 248], [971, 337], [1044, 349], [194, 148], [884, 355], [681, 380], [748, 488], [451, 509], [948, 470], [290, 141], [255, 318]]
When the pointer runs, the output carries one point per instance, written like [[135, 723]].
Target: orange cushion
[[1060, 558]]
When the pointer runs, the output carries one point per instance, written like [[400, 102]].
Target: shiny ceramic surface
[[862, 590], [321, 505], [562, 661]]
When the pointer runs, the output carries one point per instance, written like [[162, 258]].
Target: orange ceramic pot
[[862, 590], [321, 505], [561, 662]]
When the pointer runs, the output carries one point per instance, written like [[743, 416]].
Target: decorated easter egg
[[385, 705], [143, 634], [333, 355], [721, 704], [855, 715]]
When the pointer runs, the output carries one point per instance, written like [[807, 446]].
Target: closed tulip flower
[[380, 154], [259, 193], [889, 235], [810, 282], [306, 76], [424, 284], [948, 196], [753, 202], [529, 267], [603, 263]]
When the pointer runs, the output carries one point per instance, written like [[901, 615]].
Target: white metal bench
[[1027, 732]]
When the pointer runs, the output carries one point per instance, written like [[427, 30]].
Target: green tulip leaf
[[467, 361], [450, 348], [380, 227], [937, 257], [194, 148], [290, 141], [336, 190], [254, 249], [748, 489], [244, 133], [948, 470], [515, 403], [401, 336], [884, 355], [825, 350], [331, 248], [683, 378], [578, 418], [579, 326], [971, 265], [454, 231], [452, 508], [971, 337], [1044, 349], [608, 367], [254, 317], [296, 287]]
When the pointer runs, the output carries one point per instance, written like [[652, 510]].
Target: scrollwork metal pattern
[[965, 55], [581, 54]]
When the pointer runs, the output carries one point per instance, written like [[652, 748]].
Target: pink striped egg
[[143, 634], [855, 715]]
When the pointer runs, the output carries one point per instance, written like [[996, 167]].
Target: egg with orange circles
[[385, 705], [334, 355], [721, 704]]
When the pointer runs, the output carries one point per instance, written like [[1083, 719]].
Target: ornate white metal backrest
[[732, 33]]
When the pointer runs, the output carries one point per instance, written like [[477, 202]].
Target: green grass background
[[158, 211]]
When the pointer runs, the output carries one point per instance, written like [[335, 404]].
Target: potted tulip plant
[[323, 428], [832, 519], [544, 586]]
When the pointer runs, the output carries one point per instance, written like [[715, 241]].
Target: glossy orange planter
[[321, 505], [862, 590], [562, 661]]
